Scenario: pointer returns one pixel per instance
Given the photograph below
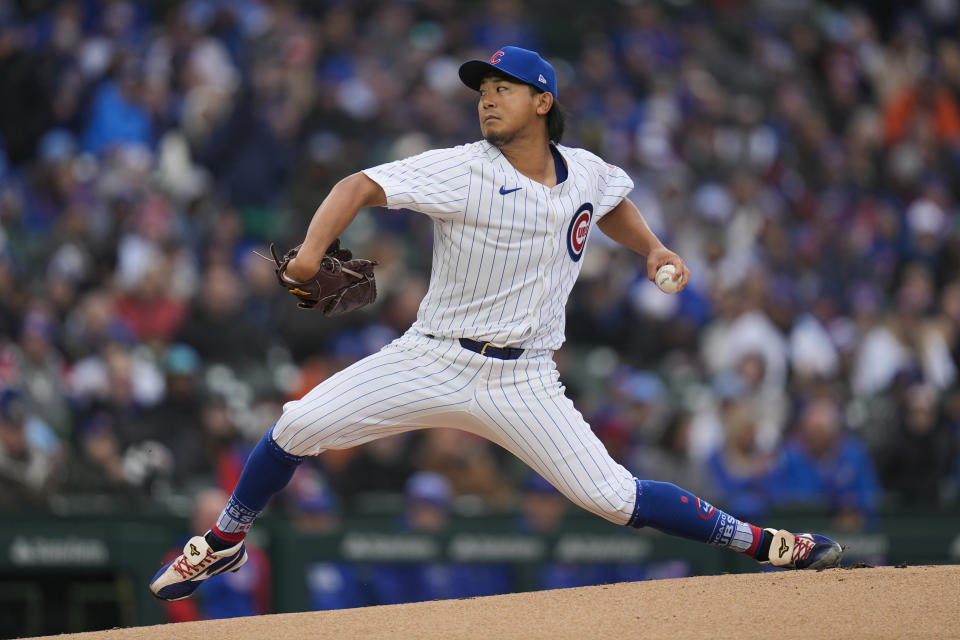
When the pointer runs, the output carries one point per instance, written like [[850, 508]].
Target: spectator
[[223, 444], [824, 466], [928, 103], [117, 113], [215, 328], [315, 510], [906, 342], [948, 321], [40, 371], [22, 121], [429, 497], [98, 468], [916, 462], [26, 468], [543, 511], [330, 585], [740, 472], [543, 506], [262, 306], [120, 385], [93, 325], [177, 420], [467, 462], [672, 457], [147, 307], [636, 414], [383, 465], [313, 504]]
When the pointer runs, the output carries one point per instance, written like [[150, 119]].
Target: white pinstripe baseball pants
[[417, 382]]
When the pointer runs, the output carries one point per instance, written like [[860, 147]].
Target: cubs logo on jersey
[[578, 230]]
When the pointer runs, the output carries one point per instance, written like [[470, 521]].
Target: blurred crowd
[[802, 157]]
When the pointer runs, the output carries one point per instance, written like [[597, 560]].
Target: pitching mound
[[885, 602]]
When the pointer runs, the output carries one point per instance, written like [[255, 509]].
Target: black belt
[[491, 351]]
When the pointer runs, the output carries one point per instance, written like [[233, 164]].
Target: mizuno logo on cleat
[[784, 547], [193, 550]]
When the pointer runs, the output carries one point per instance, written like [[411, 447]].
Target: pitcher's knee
[[269, 444], [613, 502], [296, 434]]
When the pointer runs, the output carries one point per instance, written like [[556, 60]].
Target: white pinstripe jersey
[[506, 249]]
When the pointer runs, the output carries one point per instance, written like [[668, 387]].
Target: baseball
[[664, 278]]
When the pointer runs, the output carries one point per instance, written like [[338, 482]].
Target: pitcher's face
[[506, 109]]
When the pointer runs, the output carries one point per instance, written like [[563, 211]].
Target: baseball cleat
[[803, 551], [179, 578]]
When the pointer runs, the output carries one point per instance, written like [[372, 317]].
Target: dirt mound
[[885, 602]]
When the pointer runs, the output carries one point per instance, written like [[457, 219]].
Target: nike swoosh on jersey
[[504, 192]]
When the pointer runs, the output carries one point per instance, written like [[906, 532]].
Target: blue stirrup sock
[[267, 471], [678, 512]]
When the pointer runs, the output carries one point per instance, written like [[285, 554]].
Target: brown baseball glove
[[342, 284]]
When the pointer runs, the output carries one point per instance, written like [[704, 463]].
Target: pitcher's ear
[[544, 103]]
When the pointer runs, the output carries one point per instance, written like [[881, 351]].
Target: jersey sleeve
[[434, 182], [614, 185]]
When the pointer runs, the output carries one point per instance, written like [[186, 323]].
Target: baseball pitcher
[[512, 213]]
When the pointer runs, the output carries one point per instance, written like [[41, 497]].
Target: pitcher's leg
[[390, 392], [397, 389], [268, 469], [384, 394], [541, 426], [671, 509], [526, 413]]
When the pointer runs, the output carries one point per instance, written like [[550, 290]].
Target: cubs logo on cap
[[524, 65]]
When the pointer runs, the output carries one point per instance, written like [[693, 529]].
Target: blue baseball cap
[[524, 65]]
